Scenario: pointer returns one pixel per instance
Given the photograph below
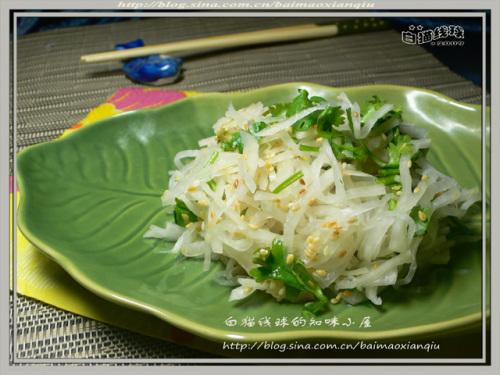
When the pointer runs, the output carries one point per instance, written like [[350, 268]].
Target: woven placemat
[[46, 332], [55, 91]]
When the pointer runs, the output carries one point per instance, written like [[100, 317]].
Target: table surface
[[55, 91]]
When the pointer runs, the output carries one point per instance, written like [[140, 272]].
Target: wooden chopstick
[[290, 33]]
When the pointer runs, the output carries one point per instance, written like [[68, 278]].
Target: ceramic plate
[[87, 199]]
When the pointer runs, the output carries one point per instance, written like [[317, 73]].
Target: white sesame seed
[[310, 253], [342, 254], [335, 300], [320, 272], [203, 202], [312, 201], [422, 215], [352, 220]]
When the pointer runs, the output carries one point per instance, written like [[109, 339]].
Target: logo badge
[[417, 34]]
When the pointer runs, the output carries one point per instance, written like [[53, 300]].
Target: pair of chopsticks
[[281, 34]]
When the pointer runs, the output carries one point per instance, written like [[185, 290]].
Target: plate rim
[[206, 331]]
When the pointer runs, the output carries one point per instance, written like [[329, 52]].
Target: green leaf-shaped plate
[[87, 199]]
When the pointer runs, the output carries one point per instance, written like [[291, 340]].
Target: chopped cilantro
[[298, 282], [400, 145], [257, 127], [325, 118], [233, 144], [307, 148], [290, 180], [213, 158], [349, 119], [374, 104], [299, 103], [212, 184], [346, 148], [330, 117], [278, 109], [392, 204], [422, 217], [182, 214]]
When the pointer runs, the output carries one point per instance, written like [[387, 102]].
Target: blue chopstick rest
[[148, 69], [132, 44], [152, 68]]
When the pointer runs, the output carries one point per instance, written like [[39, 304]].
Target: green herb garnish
[[374, 104], [307, 148], [213, 158], [349, 119], [400, 145], [233, 144], [182, 214], [422, 217], [330, 117], [323, 118], [257, 127], [290, 180], [345, 147], [278, 109], [392, 204], [297, 280], [348, 149], [212, 184], [299, 103]]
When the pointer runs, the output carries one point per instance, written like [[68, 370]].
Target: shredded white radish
[[348, 229], [284, 125], [171, 232]]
